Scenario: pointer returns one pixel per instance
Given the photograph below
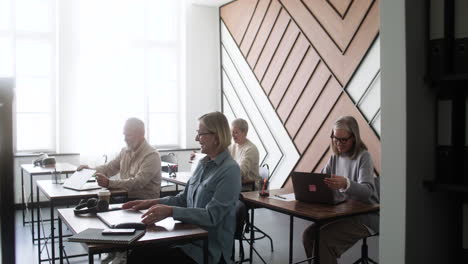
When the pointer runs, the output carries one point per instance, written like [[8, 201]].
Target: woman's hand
[[139, 204], [156, 213], [335, 182]]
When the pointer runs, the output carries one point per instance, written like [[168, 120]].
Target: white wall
[[203, 85], [393, 140]]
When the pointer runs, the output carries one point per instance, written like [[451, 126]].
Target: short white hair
[[241, 124]]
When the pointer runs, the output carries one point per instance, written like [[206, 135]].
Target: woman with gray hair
[[245, 153], [352, 173]]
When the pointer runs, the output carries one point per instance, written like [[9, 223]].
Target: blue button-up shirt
[[209, 201]]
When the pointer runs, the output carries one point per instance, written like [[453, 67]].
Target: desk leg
[[291, 237], [22, 196], [205, 251], [38, 227], [90, 258], [60, 240], [32, 206], [317, 243], [252, 236], [52, 230]]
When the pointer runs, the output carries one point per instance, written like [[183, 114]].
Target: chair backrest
[[264, 171], [170, 157]]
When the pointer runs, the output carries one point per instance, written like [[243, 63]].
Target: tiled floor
[[275, 224]]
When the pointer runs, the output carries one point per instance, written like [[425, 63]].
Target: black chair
[[264, 172], [242, 216], [364, 252], [364, 248]]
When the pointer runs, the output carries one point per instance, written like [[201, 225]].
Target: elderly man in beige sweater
[[139, 165], [245, 153]]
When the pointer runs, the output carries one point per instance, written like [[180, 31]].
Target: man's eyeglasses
[[341, 140]]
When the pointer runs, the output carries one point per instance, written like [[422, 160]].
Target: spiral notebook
[[94, 235]]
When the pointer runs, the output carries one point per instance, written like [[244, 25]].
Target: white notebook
[[79, 181]]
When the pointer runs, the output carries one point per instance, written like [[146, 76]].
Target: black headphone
[[91, 206]]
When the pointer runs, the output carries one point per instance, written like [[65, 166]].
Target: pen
[[281, 197]]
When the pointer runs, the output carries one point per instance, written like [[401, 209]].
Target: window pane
[[6, 56], [162, 64], [163, 129], [5, 14], [34, 132], [34, 95], [33, 15], [161, 17], [163, 97], [33, 58]]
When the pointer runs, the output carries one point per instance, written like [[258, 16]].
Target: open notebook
[[114, 218], [79, 181]]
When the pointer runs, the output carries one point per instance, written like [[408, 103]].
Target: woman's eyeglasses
[[340, 140], [202, 134]]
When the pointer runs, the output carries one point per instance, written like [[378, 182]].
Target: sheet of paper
[[284, 197], [79, 178]]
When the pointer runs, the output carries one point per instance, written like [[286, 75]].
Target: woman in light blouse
[[245, 153], [208, 200]]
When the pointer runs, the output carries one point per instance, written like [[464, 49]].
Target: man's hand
[[139, 204], [102, 180], [82, 167], [156, 213], [335, 182]]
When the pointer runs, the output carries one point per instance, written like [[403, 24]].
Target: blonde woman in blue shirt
[[208, 200]]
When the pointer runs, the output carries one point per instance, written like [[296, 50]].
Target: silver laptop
[[79, 181], [310, 188]]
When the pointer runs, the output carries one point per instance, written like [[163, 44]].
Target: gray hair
[[349, 123], [135, 124], [241, 124]]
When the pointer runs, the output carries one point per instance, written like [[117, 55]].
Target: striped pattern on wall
[[314, 60]]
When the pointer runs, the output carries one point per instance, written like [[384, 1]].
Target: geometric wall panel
[[314, 62], [245, 98]]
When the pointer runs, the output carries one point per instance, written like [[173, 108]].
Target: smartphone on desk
[[119, 231]]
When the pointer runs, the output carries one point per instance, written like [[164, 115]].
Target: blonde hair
[[216, 123], [241, 124], [348, 123]]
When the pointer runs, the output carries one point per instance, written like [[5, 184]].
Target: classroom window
[[27, 53], [94, 62]]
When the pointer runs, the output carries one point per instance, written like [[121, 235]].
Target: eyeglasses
[[340, 140], [202, 134]]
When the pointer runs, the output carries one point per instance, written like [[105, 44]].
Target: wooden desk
[[157, 235], [181, 178], [54, 193], [318, 213], [62, 168]]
